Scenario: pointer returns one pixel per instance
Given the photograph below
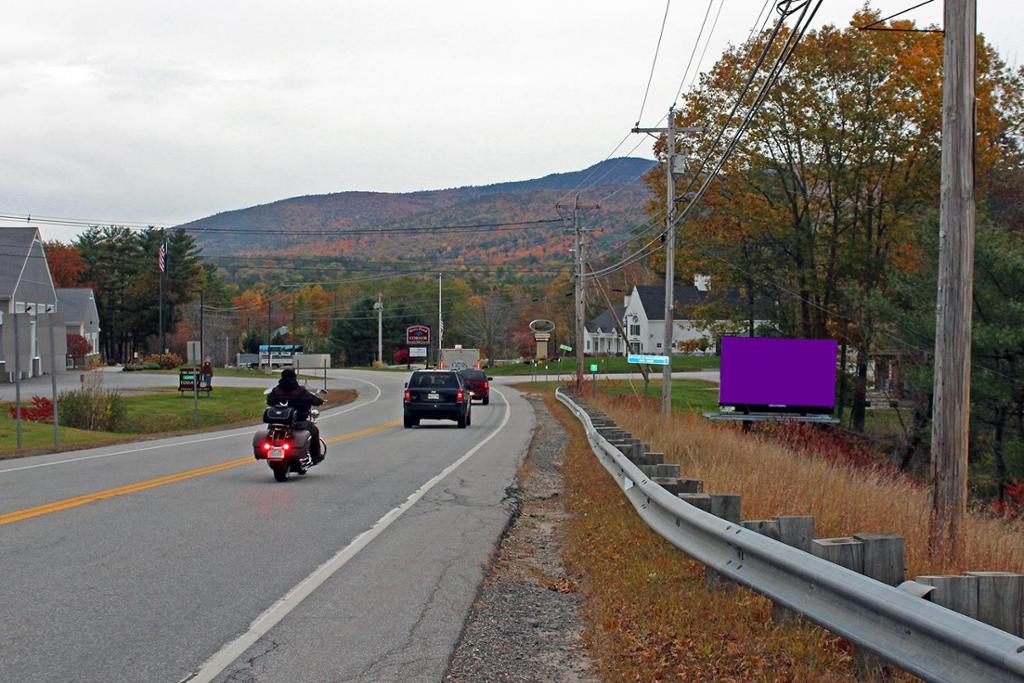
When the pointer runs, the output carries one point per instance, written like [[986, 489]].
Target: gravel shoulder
[[524, 625]]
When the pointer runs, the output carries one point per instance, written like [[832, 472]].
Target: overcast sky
[[167, 112]]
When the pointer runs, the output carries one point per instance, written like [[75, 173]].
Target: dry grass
[[648, 615], [844, 498]]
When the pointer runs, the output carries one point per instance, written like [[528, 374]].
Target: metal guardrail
[[912, 633]]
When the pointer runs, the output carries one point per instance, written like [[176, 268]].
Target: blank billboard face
[[778, 375]]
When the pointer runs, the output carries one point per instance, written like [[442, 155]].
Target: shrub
[[164, 361], [41, 410], [93, 407], [146, 365], [78, 346]]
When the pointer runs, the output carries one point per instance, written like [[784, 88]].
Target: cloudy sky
[[166, 112]]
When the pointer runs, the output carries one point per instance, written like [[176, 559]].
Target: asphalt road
[[181, 559]]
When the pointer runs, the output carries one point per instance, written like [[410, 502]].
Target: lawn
[[164, 411], [241, 372], [605, 364], [688, 395]]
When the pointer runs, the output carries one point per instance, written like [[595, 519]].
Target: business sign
[[778, 375], [642, 359], [417, 335], [417, 352]]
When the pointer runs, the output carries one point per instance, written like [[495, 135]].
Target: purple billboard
[[764, 374]]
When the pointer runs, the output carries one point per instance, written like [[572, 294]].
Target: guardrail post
[[846, 551], [958, 593], [701, 501], [1001, 600], [883, 557], [687, 485], [796, 531], [726, 506], [765, 527]]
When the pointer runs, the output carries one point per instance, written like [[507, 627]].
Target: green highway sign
[[564, 347], [593, 367]]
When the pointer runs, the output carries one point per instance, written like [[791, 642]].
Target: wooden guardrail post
[[1001, 600], [883, 557], [958, 593]]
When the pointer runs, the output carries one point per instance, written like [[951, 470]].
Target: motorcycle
[[282, 445]]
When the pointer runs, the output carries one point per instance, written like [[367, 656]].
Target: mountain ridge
[[276, 225]]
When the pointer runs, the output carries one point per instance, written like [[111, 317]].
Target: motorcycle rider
[[289, 392]]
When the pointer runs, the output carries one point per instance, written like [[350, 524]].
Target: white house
[[643, 318], [78, 304]]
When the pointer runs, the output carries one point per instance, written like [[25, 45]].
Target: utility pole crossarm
[[680, 129]]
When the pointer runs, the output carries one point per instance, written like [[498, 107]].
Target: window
[[634, 330], [444, 380], [659, 345]]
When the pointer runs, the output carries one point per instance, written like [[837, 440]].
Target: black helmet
[[288, 374]]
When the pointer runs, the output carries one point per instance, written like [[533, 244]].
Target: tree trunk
[[860, 392], [1000, 457]]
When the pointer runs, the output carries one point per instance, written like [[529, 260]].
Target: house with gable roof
[[28, 307]]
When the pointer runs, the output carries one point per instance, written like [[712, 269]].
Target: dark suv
[[436, 395], [478, 383]]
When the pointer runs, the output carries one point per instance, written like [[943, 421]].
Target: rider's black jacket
[[294, 396]]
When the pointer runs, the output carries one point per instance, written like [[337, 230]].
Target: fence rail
[[895, 623]]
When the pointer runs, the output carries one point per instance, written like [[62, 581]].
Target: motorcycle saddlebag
[[278, 415]]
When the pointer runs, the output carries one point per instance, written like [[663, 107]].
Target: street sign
[[647, 360], [193, 352], [565, 347], [593, 367], [417, 352]]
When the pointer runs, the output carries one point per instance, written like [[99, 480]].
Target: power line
[[650, 77]]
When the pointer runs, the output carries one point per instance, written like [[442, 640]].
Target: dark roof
[[605, 321], [652, 297], [15, 245]]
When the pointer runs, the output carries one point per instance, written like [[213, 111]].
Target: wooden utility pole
[[579, 273], [670, 248], [952, 386]]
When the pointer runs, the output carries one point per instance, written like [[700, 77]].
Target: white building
[[643, 318]]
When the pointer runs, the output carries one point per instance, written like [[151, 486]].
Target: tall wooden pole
[[952, 388]]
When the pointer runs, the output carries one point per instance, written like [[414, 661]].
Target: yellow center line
[[68, 503]]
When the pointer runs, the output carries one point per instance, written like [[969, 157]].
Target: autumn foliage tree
[[817, 206]]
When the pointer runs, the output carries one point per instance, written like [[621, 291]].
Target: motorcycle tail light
[[286, 446], [266, 446], [408, 395], [458, 396]]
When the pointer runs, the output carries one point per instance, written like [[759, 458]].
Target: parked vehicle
[[436, 395], [459, 358], [285, 447], [479, 385]]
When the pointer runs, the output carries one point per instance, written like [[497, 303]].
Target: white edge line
[[234, 432], [280, 609]]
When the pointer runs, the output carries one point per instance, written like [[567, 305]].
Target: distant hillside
[[617, 183]]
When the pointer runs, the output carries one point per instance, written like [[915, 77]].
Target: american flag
[[440, 331], [162, 257]]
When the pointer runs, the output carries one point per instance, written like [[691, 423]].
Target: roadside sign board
[[417, 335], [417, 352], [643, 359], [593, 367], [565, 347], [193, 353]]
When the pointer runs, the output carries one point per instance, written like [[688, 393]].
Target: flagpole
[[440, 321]]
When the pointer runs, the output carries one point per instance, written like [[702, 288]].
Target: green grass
[[160, 412], [606, 364], [167, 410], [240, 372], [688, 395]]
